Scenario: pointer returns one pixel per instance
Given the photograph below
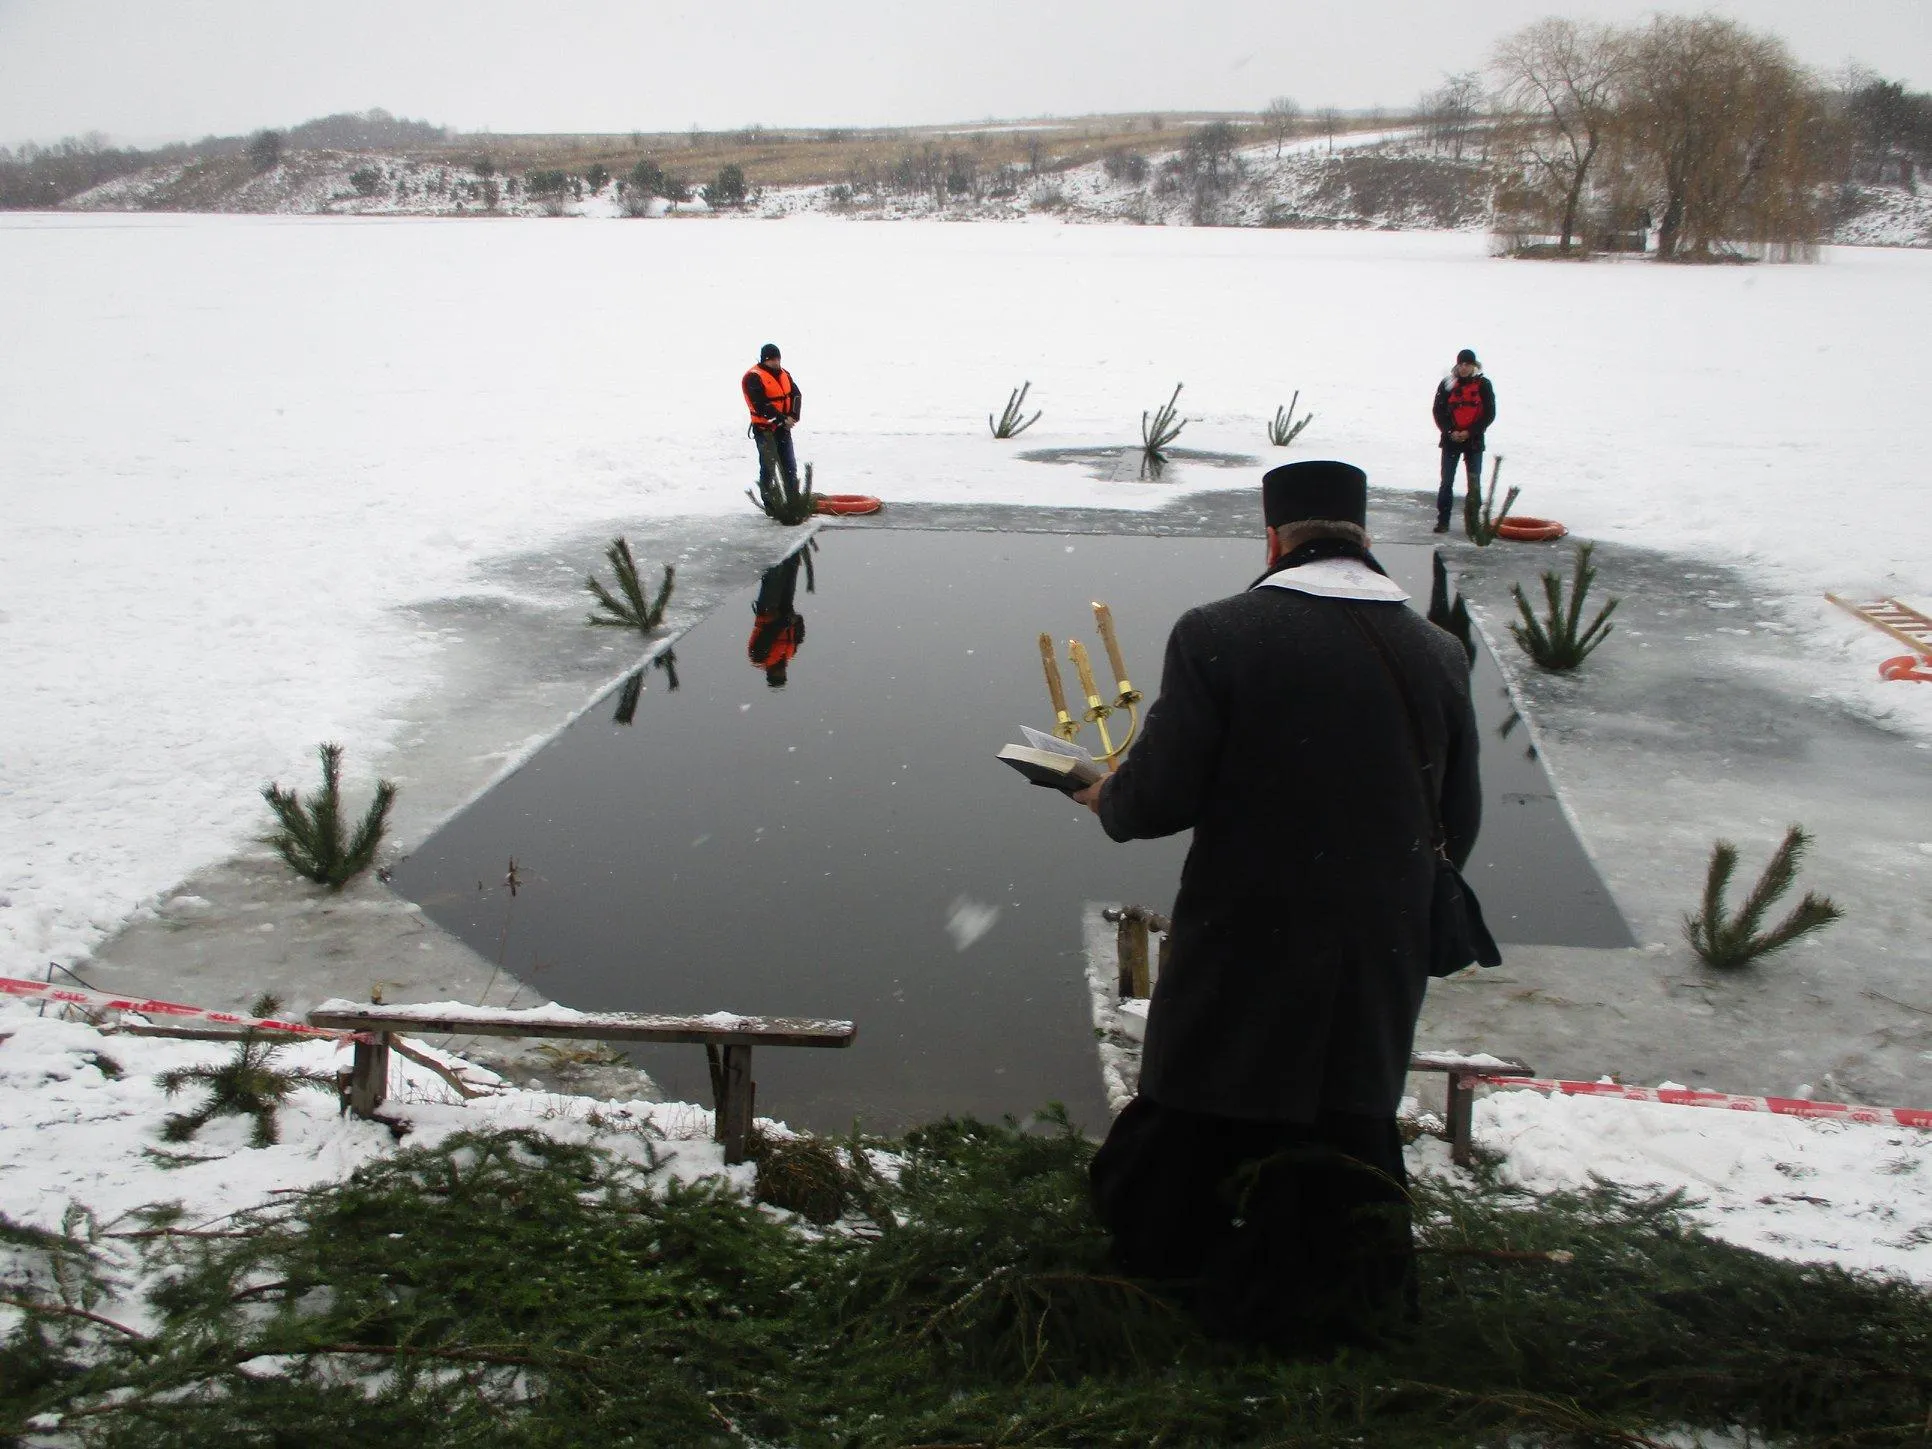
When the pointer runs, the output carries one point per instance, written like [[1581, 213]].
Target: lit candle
[[1104, 617], [1052, 667], [1084, 668]]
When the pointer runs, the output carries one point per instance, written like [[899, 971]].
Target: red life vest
[[1466, 402], [778, 392]]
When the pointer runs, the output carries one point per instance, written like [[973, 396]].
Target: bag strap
[[1374, 636]]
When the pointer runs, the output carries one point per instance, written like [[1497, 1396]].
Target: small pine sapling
[[1159, 429], [1728, 941], [1009, 424], [1480, 517], [783, 503], [248, 1084], [1285, 429], [310, 835], [633, 610], [1556, 642]]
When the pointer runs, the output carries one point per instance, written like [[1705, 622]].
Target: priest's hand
[[1090, 797]]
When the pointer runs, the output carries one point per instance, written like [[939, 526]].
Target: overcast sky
[[151, 70]]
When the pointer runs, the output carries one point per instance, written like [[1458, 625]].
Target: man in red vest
[[1465, 406], [774, 401]]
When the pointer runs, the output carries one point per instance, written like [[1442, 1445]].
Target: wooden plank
[[732, 1123], [616, 1026], [1455, 1062], [197, 1033]]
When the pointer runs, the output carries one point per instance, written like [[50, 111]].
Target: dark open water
[[820, 849]]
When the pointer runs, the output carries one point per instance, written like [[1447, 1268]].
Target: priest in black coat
[[1260, 1165]]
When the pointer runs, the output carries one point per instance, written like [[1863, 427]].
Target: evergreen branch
[[1480, 517], [1717, 881], [369, 831], [309, 836], [1728, 942], [1009, 424], [1812, 913], [1161, 429], [632, 610], [1778, 875], [1285, 429], [1554, 642], [784, 504], [325, 809], [32, 1306]]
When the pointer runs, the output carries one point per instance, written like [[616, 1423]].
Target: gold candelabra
[[1098, 711]]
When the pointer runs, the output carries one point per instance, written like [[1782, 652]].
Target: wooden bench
[[1459, 1109], [727, 1042]]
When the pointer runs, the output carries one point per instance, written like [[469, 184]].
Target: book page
[[1041, 740]]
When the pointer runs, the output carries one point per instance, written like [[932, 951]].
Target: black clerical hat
[[1297, 492]]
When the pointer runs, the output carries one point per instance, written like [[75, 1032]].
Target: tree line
[[37, 177], [1698, 125]]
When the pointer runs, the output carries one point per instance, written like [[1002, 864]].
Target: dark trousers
[[1296, 1234], [1472, 462], [775, 457]]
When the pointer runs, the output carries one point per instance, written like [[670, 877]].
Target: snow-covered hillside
[[1381, 180]]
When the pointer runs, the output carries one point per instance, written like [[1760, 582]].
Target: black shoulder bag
[[1457, 935]]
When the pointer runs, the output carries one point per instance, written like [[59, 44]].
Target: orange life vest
[[778, 391], [774, 639]]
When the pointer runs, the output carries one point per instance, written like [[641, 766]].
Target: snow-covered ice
[[235, 445], [238, 448]]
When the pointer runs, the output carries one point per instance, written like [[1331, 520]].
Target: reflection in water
[[1447, 609], [628, 696], [632, 689], [776, 851], [777, 628], [1508, 726], [1453, 616], [1152, 465]]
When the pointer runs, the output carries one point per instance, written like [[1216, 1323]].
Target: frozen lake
[[238, 447]]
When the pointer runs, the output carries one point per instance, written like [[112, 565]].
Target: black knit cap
[[1298, 492], [1467, 356], [768, 353]]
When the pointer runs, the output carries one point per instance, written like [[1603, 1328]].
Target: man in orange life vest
[[774, 401], [1465, 406]]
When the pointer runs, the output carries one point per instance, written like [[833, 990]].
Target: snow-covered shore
[[1385, 180]]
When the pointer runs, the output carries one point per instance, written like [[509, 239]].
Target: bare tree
[[1282, 115], [1723, 124], [1560, 80], [1329, 118], [1450, 111]]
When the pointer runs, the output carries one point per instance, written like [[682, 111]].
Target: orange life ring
[[1530, 530], [1907, 666], [847, 503]]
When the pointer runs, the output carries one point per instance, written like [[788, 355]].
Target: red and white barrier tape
[[105, 1001], [1690, 1097]]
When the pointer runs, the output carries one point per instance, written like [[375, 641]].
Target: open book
[[1051, 761]]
